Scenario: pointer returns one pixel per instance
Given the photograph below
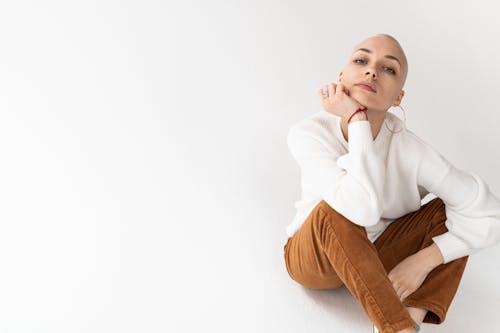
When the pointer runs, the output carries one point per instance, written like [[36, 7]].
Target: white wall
[[145, 182]]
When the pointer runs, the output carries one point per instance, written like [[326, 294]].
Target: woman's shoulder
[[321, 124], [416, 142], [318, 121], [322, 127], [426, 155]]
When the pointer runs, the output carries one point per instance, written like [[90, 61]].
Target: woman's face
[[381, 62]]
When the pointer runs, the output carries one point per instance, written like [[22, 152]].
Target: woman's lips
[[365, 87]]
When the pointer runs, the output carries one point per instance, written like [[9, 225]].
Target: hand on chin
[[360, 98]]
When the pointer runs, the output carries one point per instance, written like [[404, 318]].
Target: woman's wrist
[[431, 256], [358, 115]]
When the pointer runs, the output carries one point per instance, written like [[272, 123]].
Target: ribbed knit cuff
[[451, 246], [360, 136]]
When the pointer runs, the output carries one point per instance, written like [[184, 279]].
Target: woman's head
[[379, 61]]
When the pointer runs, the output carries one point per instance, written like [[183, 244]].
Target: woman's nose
[[371, 73]]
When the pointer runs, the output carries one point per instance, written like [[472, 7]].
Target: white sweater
[[373, 182]]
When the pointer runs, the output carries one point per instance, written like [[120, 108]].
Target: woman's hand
[[339, 102], [408, 275]]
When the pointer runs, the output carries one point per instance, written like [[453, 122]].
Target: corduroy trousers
[[329, 251]]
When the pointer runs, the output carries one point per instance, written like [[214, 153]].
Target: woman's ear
[[399, 98]]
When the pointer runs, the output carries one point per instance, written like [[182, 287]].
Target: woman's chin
[[362, 98]]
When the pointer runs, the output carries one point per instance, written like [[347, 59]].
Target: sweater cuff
[[360, 136], [451, 246]]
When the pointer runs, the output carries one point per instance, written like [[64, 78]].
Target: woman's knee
[[329, 218]]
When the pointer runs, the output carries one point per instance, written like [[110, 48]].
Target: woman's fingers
[[323, 92], [328, 90], [340, 89], [405, 294], [335, 100], [331, 90]]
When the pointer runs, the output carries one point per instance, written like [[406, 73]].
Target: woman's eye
[[391, 70]]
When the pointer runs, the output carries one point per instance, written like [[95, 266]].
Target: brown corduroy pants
[[329, 251]]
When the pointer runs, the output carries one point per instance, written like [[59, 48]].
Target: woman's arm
[[430, 257], [472, 210], [352, 183]]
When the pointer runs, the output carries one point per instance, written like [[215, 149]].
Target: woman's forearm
[[431, 256]]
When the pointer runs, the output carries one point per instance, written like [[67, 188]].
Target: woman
[[360, 221]]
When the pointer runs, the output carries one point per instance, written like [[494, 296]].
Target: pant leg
[[329, 250], [411, 233]]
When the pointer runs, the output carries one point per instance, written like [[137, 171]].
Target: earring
[[404, 114]]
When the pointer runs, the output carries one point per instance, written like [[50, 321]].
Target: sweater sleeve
[[472, 211], [352, 183]]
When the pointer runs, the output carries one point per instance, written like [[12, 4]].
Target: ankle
[[408, 330]]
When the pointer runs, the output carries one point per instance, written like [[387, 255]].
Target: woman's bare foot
[[417, 314], [408, 330]]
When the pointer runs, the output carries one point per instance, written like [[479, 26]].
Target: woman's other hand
[[338, 102], [409, 275]]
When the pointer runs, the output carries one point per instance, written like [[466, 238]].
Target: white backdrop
[[145, 181]]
